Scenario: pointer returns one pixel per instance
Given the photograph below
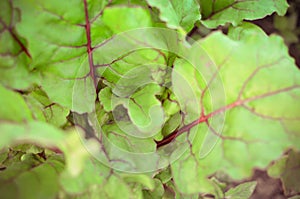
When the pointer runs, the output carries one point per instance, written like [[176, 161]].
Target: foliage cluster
[[112, 99]]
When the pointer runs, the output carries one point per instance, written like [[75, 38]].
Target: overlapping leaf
[[17, 181], [177, 13], [56, 51], [217, 13], [259, 102], [64, 66]]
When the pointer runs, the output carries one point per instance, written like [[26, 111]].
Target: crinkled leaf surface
[[259, 102], [126, 142], [220, 12], [45, 110], [64, 66], [237, 96], [179, 14]]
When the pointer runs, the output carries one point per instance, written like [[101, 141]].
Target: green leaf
[[291, 174], [116, 188], [14, 55], [165, 175], [189, 177], [132, 18], [217, 13], [13, 106], [224, 104], [77, 151], [56, 115], [105, 96], [87, 178], [145, 110], [179, 14], [65, 68], [44, 177], [127, 142], [77, 95], [276, 169], [172, 124], [241, 191], [31, 132], [45, 110], [36, 108], [146, 181], [259, 103], [156, 192]]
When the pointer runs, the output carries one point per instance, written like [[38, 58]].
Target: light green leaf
[[276, 169], [145, 110], [13, 106], [217, 13], [65, 67], [31, 132], [77, 151], [179, 14], [127, 142], [156, 192], [78, 95], [291, 174], [172, 124], [87, 178], [145, 180], [14, 54], [131, 18], [56, 115], [44, 110], [44, 177], [189, 177], [36, 108], [116, 188], [260, 102], [105, 96], [241, 191]]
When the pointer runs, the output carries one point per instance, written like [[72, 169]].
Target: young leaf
[[178, 14], [217, 13], [241, 191]]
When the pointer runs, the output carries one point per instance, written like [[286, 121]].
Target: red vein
[[89, 43], [214, 12], [209, 83], [15, 37], [116, 60], [204, 118], [258, 69], [23, 47]]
